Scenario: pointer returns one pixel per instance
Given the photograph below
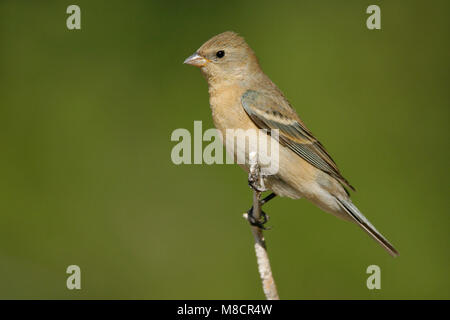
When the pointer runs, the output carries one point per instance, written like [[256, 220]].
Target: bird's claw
[[258, 223], [255, 183]]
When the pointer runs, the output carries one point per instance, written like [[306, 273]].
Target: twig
[[262, 258]]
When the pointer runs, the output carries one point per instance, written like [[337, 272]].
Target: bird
[[242, 96]]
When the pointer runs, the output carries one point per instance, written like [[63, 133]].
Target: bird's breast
[[227, 111]]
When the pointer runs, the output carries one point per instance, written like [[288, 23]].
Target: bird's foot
[[259, 223], [256, 182]]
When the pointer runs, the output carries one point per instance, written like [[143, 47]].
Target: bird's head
[[224, 57]]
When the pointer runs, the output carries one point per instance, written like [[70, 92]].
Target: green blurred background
[[86, 176]]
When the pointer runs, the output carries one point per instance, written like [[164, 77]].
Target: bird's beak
[[196, 60]]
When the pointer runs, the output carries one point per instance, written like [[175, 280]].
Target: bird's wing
[[271, 112]]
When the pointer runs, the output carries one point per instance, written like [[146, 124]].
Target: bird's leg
[[256, 182], [265, 217], [268, 198]]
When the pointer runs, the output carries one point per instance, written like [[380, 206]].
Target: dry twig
[[262, 258]]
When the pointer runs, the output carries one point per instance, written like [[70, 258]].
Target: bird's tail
[[365, 224]]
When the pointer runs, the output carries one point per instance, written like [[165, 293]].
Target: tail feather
[[365, 224]]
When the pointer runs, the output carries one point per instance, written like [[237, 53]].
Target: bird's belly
[[287, 174]]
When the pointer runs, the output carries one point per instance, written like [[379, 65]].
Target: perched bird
[[243, 97]]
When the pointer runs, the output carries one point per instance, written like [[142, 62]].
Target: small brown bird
[[243, 97]]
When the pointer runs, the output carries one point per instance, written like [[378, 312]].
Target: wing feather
[[269, 114]]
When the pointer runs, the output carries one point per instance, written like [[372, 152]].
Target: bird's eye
[[220, 54]]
